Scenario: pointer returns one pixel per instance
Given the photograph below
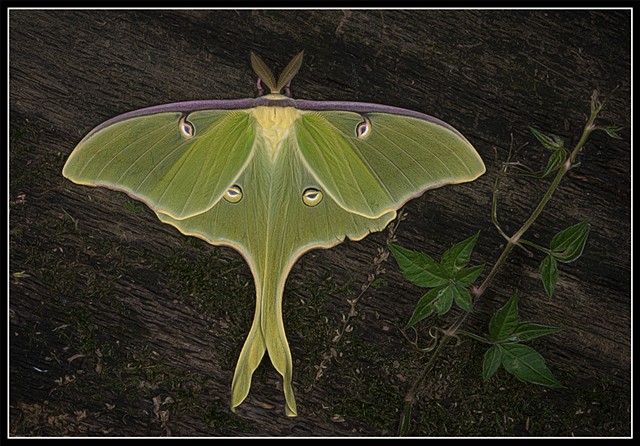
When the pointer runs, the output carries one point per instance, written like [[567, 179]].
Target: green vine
[[451, 280]]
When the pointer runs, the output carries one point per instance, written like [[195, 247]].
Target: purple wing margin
[[183, 107], [364, 107], [302, 104]]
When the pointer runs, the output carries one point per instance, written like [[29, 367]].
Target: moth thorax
[[274, 124]]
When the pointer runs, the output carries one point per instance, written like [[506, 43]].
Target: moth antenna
[[289, 72], [264, 73]]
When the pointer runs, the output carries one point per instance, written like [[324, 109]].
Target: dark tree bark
[[119, 325]]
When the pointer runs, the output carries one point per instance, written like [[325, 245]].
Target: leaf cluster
[[506, 333], [450, 279], [558, 153], [566, 246]]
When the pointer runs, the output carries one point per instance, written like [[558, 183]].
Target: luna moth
[[273, 177]]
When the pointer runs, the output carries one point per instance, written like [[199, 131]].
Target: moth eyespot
[[186, 128], [312, 197], [233, 194], [363, 130]]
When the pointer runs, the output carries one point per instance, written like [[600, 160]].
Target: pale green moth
[[273, 177]]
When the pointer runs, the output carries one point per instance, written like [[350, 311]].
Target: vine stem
[[512, 242]]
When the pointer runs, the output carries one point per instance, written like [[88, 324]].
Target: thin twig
[[381, 256]]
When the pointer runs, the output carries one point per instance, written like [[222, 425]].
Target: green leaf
[[528, 330], [527, 365], [568, 244], [549, 274], [555, 160], [466, 276], [462, 298], [491, 362], [419, 268], [459, 255], [505, 321], [425, 306], [551, 142], [611, 130], [445, 299]]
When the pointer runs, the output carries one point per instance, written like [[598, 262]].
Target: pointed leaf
[[466, 276], [568, 244], [549, 274], [419, 268], [459, 255], [491, 362], [505, 321], [612, 130], [529, 330], [527, 365], [551, 142], [445, 299], [555, 160], [425, 306], [462, 298]]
